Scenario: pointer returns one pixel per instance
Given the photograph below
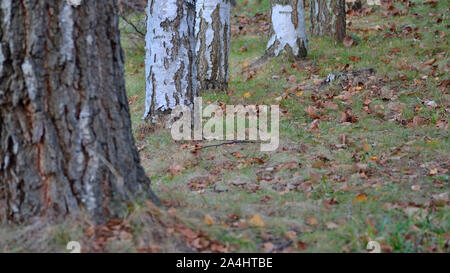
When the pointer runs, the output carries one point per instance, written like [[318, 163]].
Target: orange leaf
[[366, 147], [256, 221], [208, 220], [362, 197], [313, 221]]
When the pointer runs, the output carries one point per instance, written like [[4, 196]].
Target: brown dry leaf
[[331, 225], [430, 62], [348, 41], [312, 111], [302, 245], [89, 231], [331, 105], [347, 116], [442, 197], [172, 210], [175, 169], [314, 125], [354, 58], [132, 99], [208, 220], [256, 221], [292, 79], [268, 247], [417, 121], [312, 221], [189, 233], [291, 235], [366, 147]]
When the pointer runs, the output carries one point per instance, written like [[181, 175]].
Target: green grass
[[385, 214], [402, 156]]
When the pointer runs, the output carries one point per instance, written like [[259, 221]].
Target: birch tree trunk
[[171, 75], [328, 18], [212, 31], [287, 33], [65, 132]]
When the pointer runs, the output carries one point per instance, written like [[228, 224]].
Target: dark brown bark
[[328, 18], [65, 132]]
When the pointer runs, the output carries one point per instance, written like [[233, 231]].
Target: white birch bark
[[170, 57], [212, 31], [288, 32]]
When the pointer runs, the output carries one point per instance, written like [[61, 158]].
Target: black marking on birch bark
[[170, 62], [212, 49], [283, 42]]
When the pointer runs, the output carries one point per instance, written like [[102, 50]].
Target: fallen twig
[[226, 143]]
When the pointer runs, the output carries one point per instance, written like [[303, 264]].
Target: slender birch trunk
[[328, 18], [212, 30], [171, 76], [287, 33]]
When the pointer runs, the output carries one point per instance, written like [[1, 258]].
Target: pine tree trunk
[[328, 18], [65, 132], [212, 31], [170, 56], [287, 33]]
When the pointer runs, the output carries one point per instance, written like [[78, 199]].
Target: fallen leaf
[[366, 147], [175, 169], [354, 58], [302, 245], [348, 41], [268, 247], [362, 197], [208, 220], [312, 221], [331, 225], [291, 235], [312, 111], [331, 105], [256, 221]]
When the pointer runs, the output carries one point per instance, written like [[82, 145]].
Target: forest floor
[[366, 158], [363, 159]]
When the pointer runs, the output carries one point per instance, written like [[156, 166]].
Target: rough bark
[[170, 56], [355, 5], [287, 33], [65, 132], [212, 31], [328, 18]]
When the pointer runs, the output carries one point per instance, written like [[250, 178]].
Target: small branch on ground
[[227, 143]]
